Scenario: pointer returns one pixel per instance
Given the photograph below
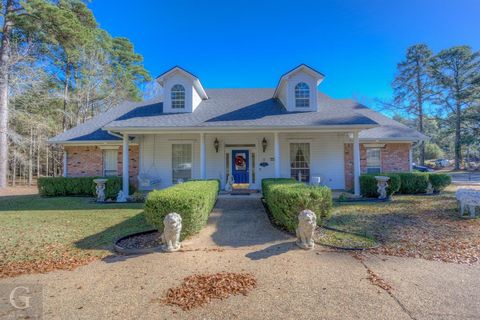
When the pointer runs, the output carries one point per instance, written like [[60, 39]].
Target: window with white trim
[[177, 96], [300, 161], [374, 162], [302, 95], [181, 162], [110, 162]]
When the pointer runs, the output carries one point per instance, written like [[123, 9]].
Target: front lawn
[[427, 227], [41, 234]]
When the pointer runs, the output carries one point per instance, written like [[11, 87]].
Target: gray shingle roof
[[239, 108]]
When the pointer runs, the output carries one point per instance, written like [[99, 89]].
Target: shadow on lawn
[[105, 239]]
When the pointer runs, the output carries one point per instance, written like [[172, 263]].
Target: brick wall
[[394, 156], [84, 161]]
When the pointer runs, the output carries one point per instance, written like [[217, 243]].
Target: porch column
[[356, 164], [125, 165], [65, 163], [276, 148], [410, 158], [203, 162]]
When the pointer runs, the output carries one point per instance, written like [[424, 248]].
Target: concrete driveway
[[292, 283]]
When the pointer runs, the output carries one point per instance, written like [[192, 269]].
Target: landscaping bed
[[138, 243]]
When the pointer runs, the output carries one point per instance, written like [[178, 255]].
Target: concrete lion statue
[[171, 232], [307, 222]]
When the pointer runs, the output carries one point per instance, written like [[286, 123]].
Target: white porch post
[[410, 158], [125, 166], [356, 164], [277, 154], [65, 164], [203, 162]]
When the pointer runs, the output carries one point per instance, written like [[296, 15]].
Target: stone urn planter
[[382, 184], [100, 189]]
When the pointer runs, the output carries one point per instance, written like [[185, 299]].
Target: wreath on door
[[239, 161]]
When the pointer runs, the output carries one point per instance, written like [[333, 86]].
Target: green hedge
[[285, 198], [413, 182], [77, 186], [440, 181], [404, 183], [368, 184], [192, 200]]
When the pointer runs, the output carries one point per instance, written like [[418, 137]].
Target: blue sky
[[355, 43]]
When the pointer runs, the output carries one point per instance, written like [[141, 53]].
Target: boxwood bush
[[368, 184], [77, 186], [285, 198], [404, 183], [413, 182], [192, 200], [439, 181]]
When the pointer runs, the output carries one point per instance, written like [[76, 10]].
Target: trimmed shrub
[[413, 182], [77, 186], [285, 198], [439, 181], [368, 184], [192, 200]]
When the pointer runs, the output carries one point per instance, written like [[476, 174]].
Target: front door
[[240, 166]]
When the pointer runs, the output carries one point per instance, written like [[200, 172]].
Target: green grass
[[35, 229]]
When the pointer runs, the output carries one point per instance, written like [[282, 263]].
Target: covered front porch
[[247, 157]]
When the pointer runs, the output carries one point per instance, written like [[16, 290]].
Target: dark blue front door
[[240, 166]]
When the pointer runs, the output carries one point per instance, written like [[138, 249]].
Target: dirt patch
[[198, 290], [141, 241]]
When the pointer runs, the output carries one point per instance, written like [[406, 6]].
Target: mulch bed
[[198, 290], [141, 241]]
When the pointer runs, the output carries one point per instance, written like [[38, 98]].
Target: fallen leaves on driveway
[[378, 281], [198, 290]]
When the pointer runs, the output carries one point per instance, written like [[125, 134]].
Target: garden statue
[[172, 226], [469, 198], [100, 189], [121, 197], [307, 222], [382, 184], [229, 184], [429, 189]]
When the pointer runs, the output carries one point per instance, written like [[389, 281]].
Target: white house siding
[[326, 151], [326, 156], [160, 148]]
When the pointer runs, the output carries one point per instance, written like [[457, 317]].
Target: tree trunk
[[14, 169], [65, 97], [46, 161], [458, 145], [4, 63], [30, 159], [38, 158]]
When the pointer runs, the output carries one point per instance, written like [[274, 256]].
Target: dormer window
[[302, 95], [178, 97]]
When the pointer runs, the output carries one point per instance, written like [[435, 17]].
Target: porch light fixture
[[216, 144], [264, 144]]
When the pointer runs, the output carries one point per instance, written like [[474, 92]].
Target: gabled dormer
[[297, 89], [182, 91]]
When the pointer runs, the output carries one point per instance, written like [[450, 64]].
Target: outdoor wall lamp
[[216, 144], [264, 144]]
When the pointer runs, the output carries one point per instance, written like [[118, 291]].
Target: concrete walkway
[[237, 222], [292, 283]]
